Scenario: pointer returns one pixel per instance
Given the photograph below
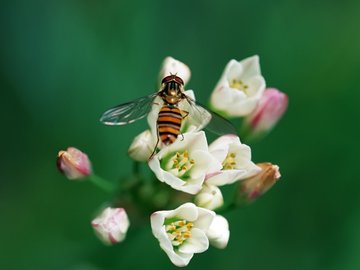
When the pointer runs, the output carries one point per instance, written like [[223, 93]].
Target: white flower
[[182, 232], [235, 158], [218, 232], [111, 225], [184, 164], [210, 197], [173, 66], [239, 88], [142, 146]]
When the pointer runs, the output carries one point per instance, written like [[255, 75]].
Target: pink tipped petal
[[269, 111], [73, 163]]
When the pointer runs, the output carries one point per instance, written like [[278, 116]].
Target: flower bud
[[268, 112], [142, 146], [73, 163], [218, 232], [255, 186], [209, 197], [111, 225], [173, 66]]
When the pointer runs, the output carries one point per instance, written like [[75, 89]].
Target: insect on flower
[[171, 115]]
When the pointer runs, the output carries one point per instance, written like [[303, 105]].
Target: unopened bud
[[255, 186], [142, 146], [268, 112], [218, 232], [209, 197], [111, 225], [73, 163]]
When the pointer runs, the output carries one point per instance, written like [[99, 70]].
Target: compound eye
[[179, 80], [167, 79]]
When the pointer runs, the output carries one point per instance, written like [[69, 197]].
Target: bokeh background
[[64, 62]]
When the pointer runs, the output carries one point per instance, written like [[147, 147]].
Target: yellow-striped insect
[[171, 115]]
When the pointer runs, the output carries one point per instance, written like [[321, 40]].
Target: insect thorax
[[172, 93]]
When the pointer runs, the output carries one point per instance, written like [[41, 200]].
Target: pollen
[[239, 85], [179, 231], [181, 163], [229, 162]]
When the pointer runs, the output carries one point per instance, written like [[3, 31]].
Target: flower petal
[[197, 243], [218, 232], [205, 217], [187, 211]]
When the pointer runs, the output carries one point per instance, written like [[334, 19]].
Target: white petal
[[256, 87], [204, 162], [226, 177], [197, 141], [197, 243], [177, 258], [223, 142], [229, 65], [243, 161], [173, 66], [188, 211], [236, 70], [205, 217], [218, 232], [162, 175], [180, 259], [251, 67], [142, 146]]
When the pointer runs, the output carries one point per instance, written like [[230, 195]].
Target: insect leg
[[184, 114], [153, 153]]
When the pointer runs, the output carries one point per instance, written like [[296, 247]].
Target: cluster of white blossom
[[194, 166]]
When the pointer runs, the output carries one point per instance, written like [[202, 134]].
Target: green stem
[[136, 168], [101, 183]]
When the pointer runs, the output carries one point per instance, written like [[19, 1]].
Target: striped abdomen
[[169, 123]]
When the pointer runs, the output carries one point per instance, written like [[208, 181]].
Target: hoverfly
[[171, 116]]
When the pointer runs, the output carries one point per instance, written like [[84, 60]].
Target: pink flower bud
[[268, 112], [255, 186], [73, 163], [111, 225]]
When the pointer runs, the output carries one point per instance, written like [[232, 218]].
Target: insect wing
[[129, 112], [205, 118]]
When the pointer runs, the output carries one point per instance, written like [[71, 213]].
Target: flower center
[[179, 231], [229, 162], [239, 85], [180, 163]]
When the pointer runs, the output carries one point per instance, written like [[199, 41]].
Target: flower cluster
[[191, 171]]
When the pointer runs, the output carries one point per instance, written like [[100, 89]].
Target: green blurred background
[[64, 62]]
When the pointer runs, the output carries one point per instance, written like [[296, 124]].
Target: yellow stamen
[[229, 163], [179, 231], [239, 85]]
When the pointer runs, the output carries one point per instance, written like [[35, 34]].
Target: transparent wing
[[129, 112], [203, 117]]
